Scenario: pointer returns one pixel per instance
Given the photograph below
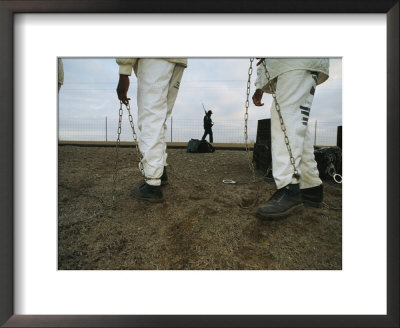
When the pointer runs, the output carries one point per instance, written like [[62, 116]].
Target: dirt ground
[[203, 224]]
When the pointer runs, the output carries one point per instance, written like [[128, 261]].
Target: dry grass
[[203, 225]]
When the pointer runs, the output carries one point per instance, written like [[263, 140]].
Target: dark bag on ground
[[199, 146], [205, 147], [329, 161], [193, 146]]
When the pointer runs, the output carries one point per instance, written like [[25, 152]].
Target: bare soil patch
[[203, 224]]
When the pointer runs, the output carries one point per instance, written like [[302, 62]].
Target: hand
[[257, 97], [260, 61], [122, 89]]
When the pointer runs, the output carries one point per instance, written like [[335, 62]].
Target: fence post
[[339, 136], [315, 133], [106, 129], [171, 128]]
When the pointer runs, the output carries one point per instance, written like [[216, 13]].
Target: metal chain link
[[117, 145], [296, 174], [246, 118], [335, 176], [114, 182], [139, 154]]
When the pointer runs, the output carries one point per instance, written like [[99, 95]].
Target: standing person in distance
[[208, 124], [294, 82], [158, 81]]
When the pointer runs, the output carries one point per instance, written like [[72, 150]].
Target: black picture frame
[[10, 7]]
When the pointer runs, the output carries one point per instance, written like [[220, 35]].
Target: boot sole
[[312, 204], [279, 216], [150, 200]]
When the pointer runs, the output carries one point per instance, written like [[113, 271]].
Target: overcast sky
[[88, 95]]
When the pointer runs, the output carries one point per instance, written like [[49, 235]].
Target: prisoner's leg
[[154, 76], [292, 93], [173, 89]]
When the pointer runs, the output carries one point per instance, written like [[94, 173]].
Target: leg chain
[[117, 145], [116, 155], [139, 154], [246, 117]]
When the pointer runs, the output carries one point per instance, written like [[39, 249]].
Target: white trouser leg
[[154, 76], [308, 166], [173, 89], [294, 93]]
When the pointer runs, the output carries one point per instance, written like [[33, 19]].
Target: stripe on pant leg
[[315, 76]]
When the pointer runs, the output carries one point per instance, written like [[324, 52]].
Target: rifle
[[205, 112]]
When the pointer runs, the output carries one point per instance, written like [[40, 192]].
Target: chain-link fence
[[181, 130]]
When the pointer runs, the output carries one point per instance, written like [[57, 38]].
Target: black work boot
[[150, 193], [283, 202], [312, 196], [164, 177]]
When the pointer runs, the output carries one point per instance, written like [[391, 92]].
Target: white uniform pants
[[158, 85], [295, 94]]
